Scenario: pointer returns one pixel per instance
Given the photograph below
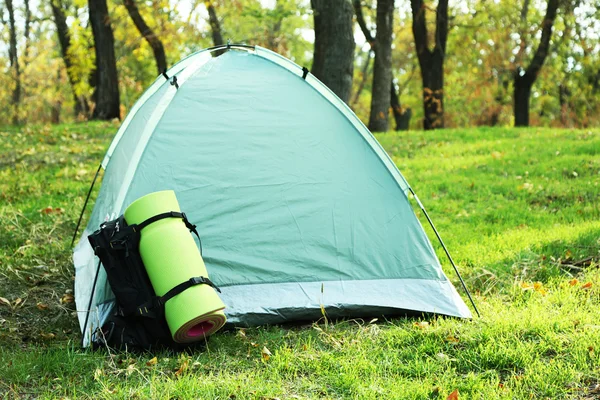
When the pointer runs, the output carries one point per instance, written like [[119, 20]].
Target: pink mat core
[[200, 329]]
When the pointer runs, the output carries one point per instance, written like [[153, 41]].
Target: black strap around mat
[[170, 214], [147, 309]]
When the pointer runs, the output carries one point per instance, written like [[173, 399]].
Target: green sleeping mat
[[171, 257]]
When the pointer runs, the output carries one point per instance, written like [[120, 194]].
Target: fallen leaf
[[4, 301], [98, 373], [265, 353], [47, 336], [452, 339], [47, 210], [453, 395], [152, 361], [183, 367], [67, 298], [526, 286], [422, 324], [42, 306], [241, 333], [573, 282], [587, 285]]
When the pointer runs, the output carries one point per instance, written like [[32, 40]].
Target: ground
[[519, 210]]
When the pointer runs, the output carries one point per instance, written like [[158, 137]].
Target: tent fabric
[[298, 206]]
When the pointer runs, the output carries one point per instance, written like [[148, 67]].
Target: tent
[[298, 206]]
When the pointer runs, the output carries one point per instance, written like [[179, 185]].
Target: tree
[[152, 39], [107, 88], [382, 67], [525, 78], [215, 26], [431, 62], [333, 61], [64, 39], [14, 62], [401, 116]]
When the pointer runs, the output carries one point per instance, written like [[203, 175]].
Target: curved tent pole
[[85, 204], [445, 249]]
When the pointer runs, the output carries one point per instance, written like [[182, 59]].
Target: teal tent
[[297, 204]]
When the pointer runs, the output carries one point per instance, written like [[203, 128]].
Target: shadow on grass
[[544, 262]]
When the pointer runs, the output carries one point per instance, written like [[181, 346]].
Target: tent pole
[[87, 315], [445, 249], [85, 204]]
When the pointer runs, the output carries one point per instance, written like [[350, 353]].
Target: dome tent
[[297, 204]]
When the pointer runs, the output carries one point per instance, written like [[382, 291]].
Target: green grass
[[518, 208]]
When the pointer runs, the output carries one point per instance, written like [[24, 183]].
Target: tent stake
[[85, 204], [445, 249]]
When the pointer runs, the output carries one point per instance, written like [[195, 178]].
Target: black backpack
[[137, 321]]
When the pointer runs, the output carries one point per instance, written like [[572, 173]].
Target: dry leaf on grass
[[265, 353]]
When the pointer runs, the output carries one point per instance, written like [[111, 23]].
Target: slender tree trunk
[[431, 62], [14, 62], [433, 92], [333, 61], [107, 101], [155, 43], [64, 39], [401, 116], [215, 27], [382, 67], [363, 78], [524, 79], [522, 93], [27, 31]]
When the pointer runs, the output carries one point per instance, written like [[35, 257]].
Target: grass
[[518, 208]]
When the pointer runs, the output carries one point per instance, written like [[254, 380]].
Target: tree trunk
[[401, 116], [363, 78], [64, 39], [382, 67], [215, 27], [14, 62], [431, 62], [524, 80], [333, 61], [522, 93], [155, 43], [107, 101], [433, 92], [27, 31]]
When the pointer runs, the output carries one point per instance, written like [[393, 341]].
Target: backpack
[[138, 321]]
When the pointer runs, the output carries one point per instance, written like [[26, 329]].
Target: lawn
[[519, 209]]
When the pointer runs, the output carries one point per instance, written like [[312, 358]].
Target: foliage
[[518, 209], [487, 40]]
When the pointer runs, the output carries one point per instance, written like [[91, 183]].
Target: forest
[[414, 64]]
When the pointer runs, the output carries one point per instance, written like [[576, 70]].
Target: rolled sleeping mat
[[171, 257]]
